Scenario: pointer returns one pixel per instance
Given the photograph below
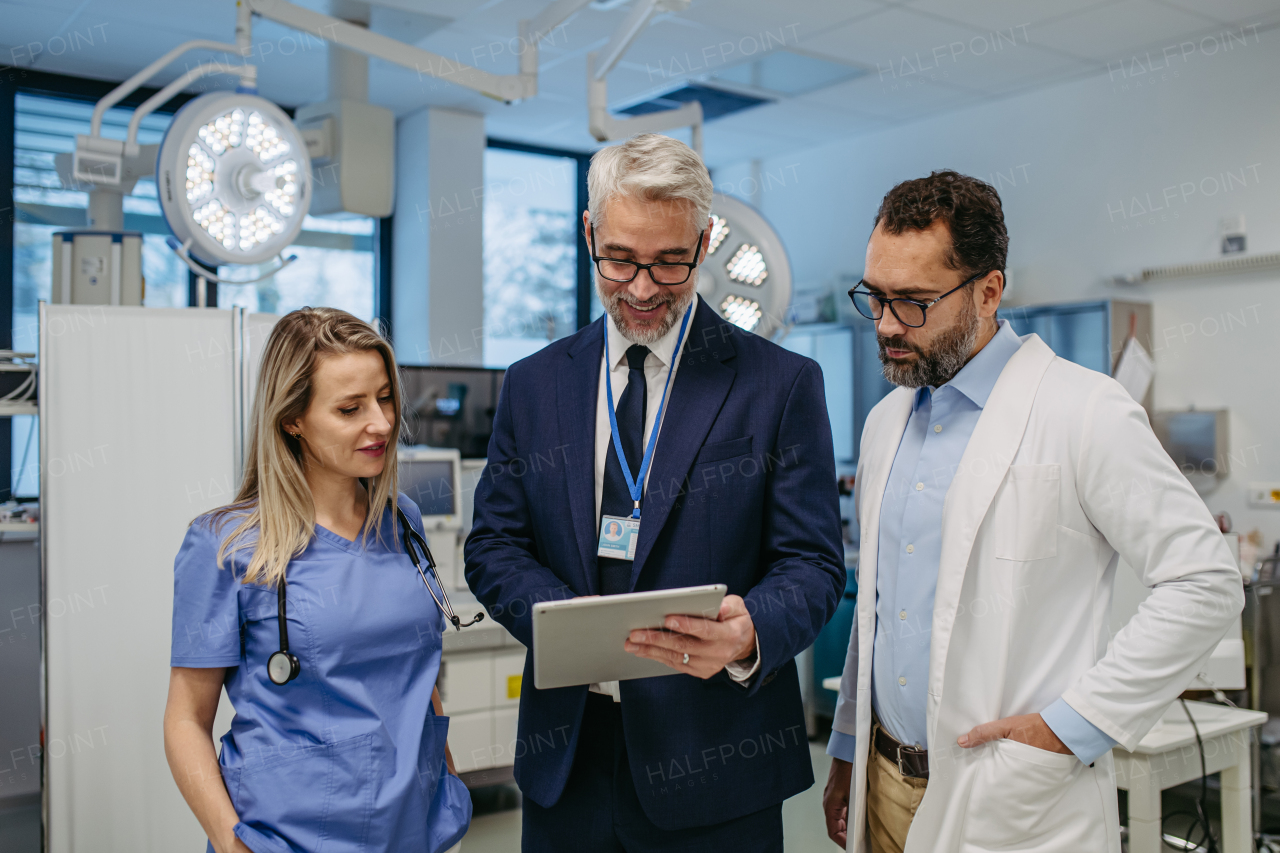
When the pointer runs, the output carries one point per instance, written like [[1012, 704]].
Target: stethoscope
[[283, 666]]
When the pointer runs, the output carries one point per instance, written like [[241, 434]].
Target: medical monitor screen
[[430, 485]]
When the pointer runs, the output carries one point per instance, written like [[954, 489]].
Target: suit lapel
[[577, 386], [697, 393], [986, 460]]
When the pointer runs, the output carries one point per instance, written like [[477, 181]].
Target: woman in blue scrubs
[[350, 753]]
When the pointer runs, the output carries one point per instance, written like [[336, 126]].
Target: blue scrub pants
[[599, 811]]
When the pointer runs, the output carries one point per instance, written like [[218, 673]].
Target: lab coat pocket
[[312, 796], [1022, 797], [1026, 513]]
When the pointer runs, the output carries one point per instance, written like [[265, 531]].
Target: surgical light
[[719, 230], [741, 312], [747, 265], [234, 179], [752, 287]]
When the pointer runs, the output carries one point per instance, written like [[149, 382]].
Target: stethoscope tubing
[[284, 665]]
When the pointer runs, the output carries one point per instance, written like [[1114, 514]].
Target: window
[[532, 269], [43, 129], [335, 267]]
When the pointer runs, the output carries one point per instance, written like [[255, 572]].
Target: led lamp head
[[234, 178], [746, 276]]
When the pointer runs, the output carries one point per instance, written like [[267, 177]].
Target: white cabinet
[[508, 672], [480, 679]]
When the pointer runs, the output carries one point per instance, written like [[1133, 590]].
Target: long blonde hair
[[274, 499]]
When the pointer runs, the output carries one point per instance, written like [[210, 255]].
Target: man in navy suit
[[740, 489]]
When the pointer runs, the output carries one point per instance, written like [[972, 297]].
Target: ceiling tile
[[778, 24], [897, 100], [995, 15], [895, 41], [801, 122], [1231, 11], [1116, 31]]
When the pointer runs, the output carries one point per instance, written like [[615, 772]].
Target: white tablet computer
[[580, 640]]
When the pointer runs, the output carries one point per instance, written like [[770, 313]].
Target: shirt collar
[[663, 347], [977, 378]]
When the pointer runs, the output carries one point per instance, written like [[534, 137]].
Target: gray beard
[[613, 307], [949, 353]]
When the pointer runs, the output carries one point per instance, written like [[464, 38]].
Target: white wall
[[437, 265], [1077, 165]]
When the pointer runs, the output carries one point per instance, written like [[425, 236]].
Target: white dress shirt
[[662, 355]]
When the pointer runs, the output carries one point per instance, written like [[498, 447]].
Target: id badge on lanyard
[[620, 534]]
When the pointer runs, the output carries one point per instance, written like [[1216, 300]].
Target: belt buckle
[[901, 770]]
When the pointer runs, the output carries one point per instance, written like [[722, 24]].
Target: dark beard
[[944, 359]]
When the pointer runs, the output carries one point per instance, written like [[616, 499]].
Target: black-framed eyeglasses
[[910, 312], [667, 274]]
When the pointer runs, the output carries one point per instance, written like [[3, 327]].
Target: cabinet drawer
[[466, 682]]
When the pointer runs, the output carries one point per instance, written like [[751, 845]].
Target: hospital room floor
[[802, 825], [496, 826]]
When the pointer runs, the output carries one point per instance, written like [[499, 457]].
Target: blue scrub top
[[349, 756]]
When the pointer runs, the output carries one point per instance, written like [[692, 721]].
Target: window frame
[[582, 160]]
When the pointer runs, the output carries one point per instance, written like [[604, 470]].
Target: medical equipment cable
[[1199, 817]]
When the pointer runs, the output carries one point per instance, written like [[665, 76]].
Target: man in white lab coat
[[996, 490]]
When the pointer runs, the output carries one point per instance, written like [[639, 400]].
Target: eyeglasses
[[666, 274], [910, 312]]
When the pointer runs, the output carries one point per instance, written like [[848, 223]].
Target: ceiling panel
[[915, 68], [993, 15], [1116, 31], [895, 41], [772, 21], [1235, 12], [896, 100]]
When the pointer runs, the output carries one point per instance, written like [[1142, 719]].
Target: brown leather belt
[[911, 762]]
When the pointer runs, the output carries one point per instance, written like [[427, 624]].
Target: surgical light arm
[[502, 87], [604, 126]]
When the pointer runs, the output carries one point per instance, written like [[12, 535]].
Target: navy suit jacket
[[742, 492]]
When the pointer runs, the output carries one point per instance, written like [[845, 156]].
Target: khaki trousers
[[892, 800]]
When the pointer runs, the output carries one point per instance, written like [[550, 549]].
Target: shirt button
[[911, 549], [902, 614], [919, 486], [937, 427], [902, 681]]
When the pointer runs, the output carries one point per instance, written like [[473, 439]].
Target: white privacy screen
[[137, 421]]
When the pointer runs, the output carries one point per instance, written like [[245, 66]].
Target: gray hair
[[654, 168]]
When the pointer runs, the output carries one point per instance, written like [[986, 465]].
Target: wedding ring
[[686, 657]]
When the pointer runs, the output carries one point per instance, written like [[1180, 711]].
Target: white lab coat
[[1062, 476]]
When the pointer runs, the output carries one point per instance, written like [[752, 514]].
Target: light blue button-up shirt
[[910, 549]]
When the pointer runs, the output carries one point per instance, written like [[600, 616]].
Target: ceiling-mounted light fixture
[[746, 276], [234, 179]]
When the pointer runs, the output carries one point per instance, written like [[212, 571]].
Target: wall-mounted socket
[[1264, 495], [1231, 229]]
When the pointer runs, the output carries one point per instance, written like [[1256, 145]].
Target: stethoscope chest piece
[[283, 667]]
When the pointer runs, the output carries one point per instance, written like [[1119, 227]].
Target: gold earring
[[296, 434]]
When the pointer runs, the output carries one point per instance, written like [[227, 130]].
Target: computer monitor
[[451, 407], [432, 477]]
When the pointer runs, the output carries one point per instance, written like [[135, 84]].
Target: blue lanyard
[[636, 486]]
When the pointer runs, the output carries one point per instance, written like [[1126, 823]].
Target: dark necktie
[[615, 575]]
